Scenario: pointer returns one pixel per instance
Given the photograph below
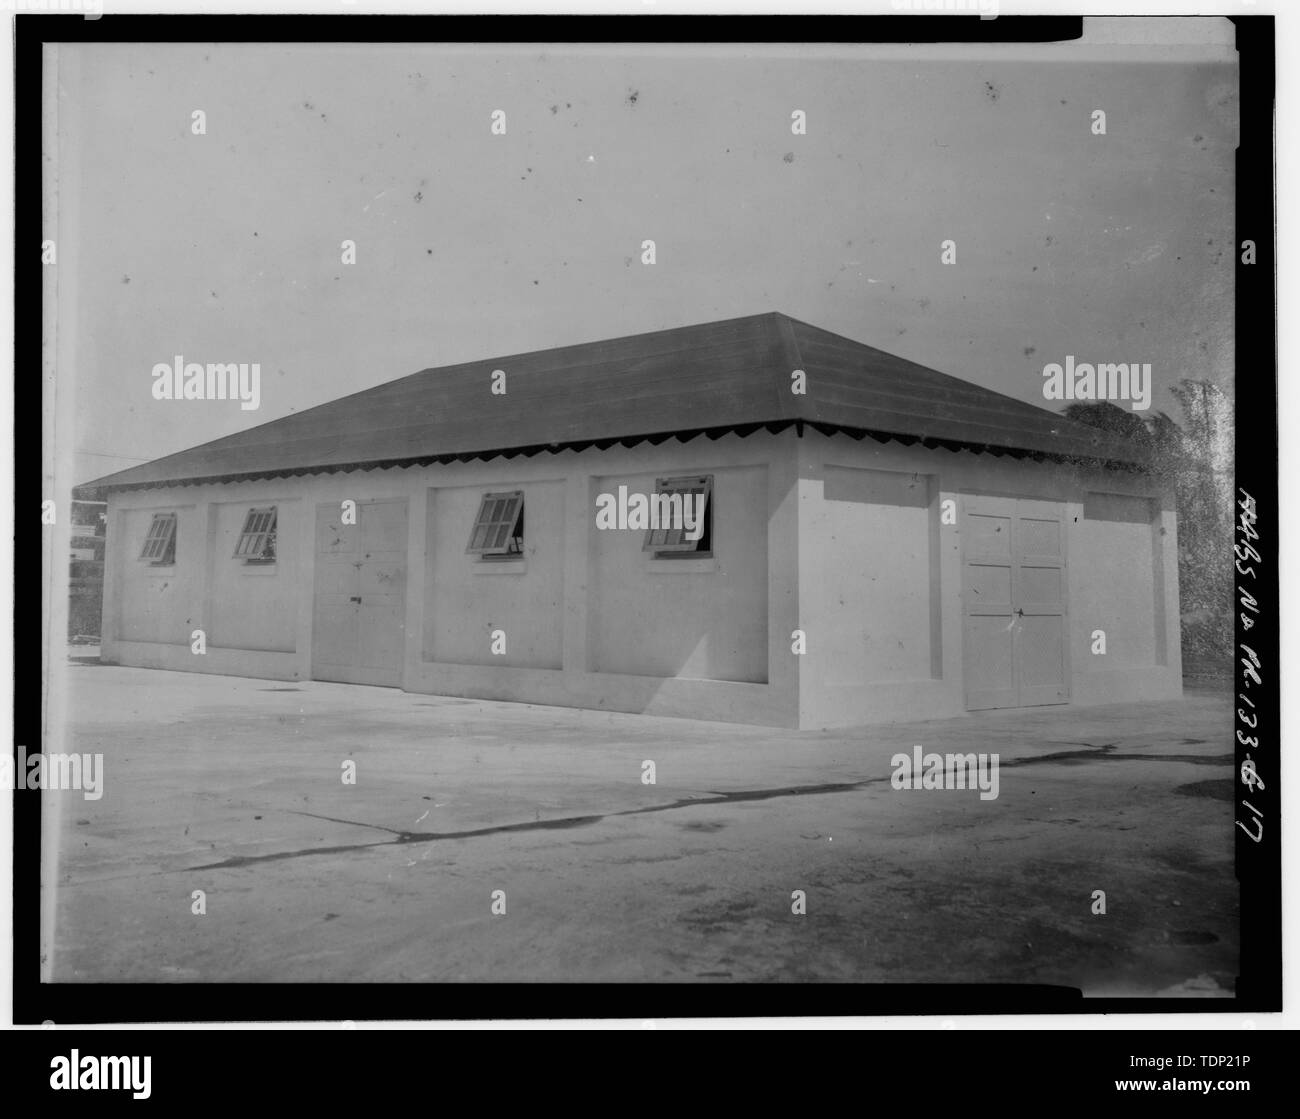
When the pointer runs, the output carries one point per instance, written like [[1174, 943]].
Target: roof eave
[[1096, 457]]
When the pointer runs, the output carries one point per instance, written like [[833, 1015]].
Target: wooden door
[[359, 615], [1042, 642], [1015, 651]]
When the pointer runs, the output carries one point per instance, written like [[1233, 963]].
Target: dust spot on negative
[[788, 157], [632, 95], [991, 91]]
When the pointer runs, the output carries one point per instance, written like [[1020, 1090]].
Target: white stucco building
[[939, 547]]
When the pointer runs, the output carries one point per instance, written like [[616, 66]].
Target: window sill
[[259, 568], [500, 567], [705, 565]]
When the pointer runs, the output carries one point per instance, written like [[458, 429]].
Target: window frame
[[682, 548], [490, 518], [265, 537], [159, 547]]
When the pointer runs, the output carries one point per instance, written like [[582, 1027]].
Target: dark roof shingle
[[721, 375]]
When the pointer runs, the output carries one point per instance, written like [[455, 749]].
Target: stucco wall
[[1124, 582], [704, 619], [590, 620], [879, 569], [254, 606], [861, 508], [843, 540], [1114, 546], [151, 603], [467, 597]]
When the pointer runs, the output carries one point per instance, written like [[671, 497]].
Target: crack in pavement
[[401, 838], [1106, 755], [1093, 751], [352, 823]]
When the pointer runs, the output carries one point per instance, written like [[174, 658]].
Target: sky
[[226, 246]]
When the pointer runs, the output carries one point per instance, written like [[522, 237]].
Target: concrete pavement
[[233, 787]]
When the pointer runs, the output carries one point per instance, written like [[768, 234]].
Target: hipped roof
[[710, 379]]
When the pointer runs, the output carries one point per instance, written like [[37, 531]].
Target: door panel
[[1039, 543], [990, 676], [380, 576], [988, 576], [335, 578], [1015, 649], [334, 633], [381, 639], [1040, 588], [1038, 538], [383, 529], [989, 532], [1042, 669], [989, 587], [359, 615]]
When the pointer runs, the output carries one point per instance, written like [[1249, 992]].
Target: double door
[[1015, 626]]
